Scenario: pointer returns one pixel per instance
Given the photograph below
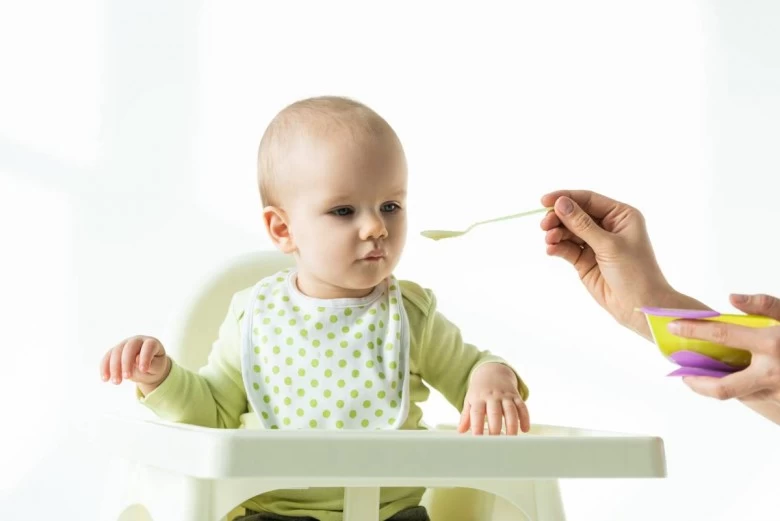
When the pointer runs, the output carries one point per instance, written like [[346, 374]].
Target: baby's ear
[[276, 224]]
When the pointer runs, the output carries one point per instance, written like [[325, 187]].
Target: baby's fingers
[[105, 365], [478, 417], [495, 414], [115, 365], [510, 413], [149, 350], [129, 354], [525, 418], [465, 416]]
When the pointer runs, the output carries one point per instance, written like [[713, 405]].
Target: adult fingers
[[764, 305], [756, 340], [593, 203], [736, 385]]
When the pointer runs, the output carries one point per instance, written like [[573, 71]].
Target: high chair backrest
[[194, 329]]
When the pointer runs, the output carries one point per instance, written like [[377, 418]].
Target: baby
[[338, 342]]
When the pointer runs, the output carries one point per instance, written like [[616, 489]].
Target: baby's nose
[[373, 228]]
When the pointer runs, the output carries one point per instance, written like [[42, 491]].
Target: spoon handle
[[513, 216]]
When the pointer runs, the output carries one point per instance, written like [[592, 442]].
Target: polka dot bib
[[326, 364]]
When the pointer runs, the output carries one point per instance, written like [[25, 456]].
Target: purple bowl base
[[696, 364], [696, 371]]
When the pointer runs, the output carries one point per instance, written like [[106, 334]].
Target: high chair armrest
[[383, 457]]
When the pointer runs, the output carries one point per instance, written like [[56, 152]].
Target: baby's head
[[332, 176]]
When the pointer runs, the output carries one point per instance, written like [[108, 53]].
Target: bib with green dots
[[310, 363]]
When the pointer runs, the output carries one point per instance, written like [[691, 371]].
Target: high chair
[[175, 472]]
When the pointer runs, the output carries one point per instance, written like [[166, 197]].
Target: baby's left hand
[[493, 393]]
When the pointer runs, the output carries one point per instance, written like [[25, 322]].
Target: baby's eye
[[342, 212], [390, 207]]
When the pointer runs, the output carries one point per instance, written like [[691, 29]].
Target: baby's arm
[[464, 374], [213, 397]]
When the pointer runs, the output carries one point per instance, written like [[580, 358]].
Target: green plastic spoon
[[438, 235]]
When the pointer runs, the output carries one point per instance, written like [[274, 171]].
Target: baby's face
[[346, 212]]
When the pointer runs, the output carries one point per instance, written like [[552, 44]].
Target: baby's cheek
[[331, 245]]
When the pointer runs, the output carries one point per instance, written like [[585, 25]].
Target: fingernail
[[738, 297], [673, 327], [565, 205]]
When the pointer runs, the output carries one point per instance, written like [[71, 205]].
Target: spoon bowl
[[438, 235]]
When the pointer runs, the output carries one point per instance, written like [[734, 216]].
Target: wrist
[[492, 372], [662, 296], [675, 299]]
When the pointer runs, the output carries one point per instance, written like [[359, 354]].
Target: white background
[[128, 133]]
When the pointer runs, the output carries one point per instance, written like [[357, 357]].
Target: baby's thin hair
[[314, 117]]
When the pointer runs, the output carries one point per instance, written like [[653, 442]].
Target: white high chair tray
[[383, 458]]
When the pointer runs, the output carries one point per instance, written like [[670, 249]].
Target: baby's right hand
[[141, 359]]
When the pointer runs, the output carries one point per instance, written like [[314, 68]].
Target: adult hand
[[607, 243], [760, 381]]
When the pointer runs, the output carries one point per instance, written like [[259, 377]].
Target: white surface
[[165, 481], [398, 458], [672, 106]]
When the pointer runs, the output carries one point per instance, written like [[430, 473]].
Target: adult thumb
[[578, 222], [765, 305]]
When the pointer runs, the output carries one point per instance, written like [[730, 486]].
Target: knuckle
[[478, 404], [772, 377], [723, 392], [719, 332], [625, 214], [763, 302], [638, 215], [771, 345], [152, 342], [582, 222], [687, 329]]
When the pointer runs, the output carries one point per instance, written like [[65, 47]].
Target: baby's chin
[[367, 278]]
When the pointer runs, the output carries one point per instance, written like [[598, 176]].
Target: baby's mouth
[[374, 255]]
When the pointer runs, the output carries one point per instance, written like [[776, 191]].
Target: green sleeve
[[443, 359], [215, 395]]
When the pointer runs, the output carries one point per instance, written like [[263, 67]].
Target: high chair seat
[[174, 472]]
